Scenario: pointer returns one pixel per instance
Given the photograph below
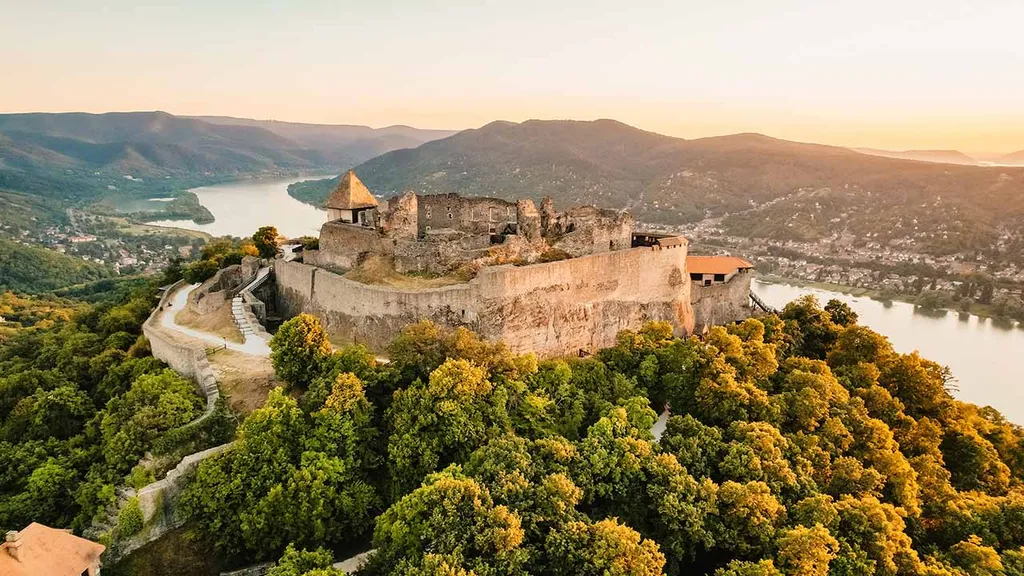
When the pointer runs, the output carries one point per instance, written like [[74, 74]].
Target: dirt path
[[244, 380]]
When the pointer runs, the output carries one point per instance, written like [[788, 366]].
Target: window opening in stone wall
[[719, 277]]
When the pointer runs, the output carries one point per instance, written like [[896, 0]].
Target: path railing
[[759, 303]]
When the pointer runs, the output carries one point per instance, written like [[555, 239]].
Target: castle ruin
[[549, 282]]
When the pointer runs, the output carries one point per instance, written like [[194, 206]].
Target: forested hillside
[[81, 401], [799, 444], [671, 181], [30, 269]]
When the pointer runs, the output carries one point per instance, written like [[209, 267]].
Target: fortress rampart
[[549, 308]]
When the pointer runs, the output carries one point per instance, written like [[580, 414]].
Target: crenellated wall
[[551, 309]]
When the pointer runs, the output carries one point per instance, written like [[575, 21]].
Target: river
[[982, 353], [239, 208]]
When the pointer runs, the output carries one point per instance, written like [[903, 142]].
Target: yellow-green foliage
[[129, 519]]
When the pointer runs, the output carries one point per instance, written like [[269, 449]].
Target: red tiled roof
[[47, 551], [715, 264]]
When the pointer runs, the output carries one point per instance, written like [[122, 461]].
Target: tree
[[440, 422], [452, 516], [155, 404], [279, 484], [748, 515], [299, 350], [604, 548], [813, 330], [265, 239], [200, 271], [742, 568], [807, 551], [297, 562], [841, 313]]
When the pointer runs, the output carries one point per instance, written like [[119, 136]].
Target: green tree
[[299, 350], [604, 548], [452, 516], [281, 483], [295, 562], [807, 551], [441, 422], [265, 240]]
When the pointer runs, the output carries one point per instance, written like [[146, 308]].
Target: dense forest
[[82, 400], [799, 444], [33, 269]]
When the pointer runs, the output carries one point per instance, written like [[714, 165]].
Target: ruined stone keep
[[542, 281]]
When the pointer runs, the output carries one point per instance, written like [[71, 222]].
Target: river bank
[[975, 309]]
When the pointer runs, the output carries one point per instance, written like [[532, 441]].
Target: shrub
[[129, 520], [140, 476]]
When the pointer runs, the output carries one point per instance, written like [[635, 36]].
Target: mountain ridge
[[935, 156], [671, 181], [43, 151]]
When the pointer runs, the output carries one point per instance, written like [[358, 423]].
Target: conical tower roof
[[350, 194]]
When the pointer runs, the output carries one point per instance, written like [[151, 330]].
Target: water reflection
[[930, 312], [239, 208]]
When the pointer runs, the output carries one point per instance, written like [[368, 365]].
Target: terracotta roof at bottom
[[48, 551]]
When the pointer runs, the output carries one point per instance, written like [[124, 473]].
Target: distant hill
[[1013, 159], [938, 156], [347, 145], [43, 152], [769, 187], [145, 143]]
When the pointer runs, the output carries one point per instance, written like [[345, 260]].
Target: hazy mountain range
[[939, 156], [766, 186], [157, 143]]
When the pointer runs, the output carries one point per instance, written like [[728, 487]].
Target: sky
[[895, 74]]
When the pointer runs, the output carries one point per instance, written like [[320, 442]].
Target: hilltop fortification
[[540, 280]]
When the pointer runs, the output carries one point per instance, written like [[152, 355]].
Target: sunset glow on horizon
[[915, 74]]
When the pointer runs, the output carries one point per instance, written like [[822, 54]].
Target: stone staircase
[[246, 322], [238, 313]]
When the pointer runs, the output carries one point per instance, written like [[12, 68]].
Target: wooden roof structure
[[351, 194]]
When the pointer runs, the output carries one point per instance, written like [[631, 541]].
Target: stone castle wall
[[344, 245], [551, 309], [223, 286], [721, 303], [471, 215], [583, 303], [363, 313]]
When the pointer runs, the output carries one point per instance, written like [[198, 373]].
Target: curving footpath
[[254, 344]]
